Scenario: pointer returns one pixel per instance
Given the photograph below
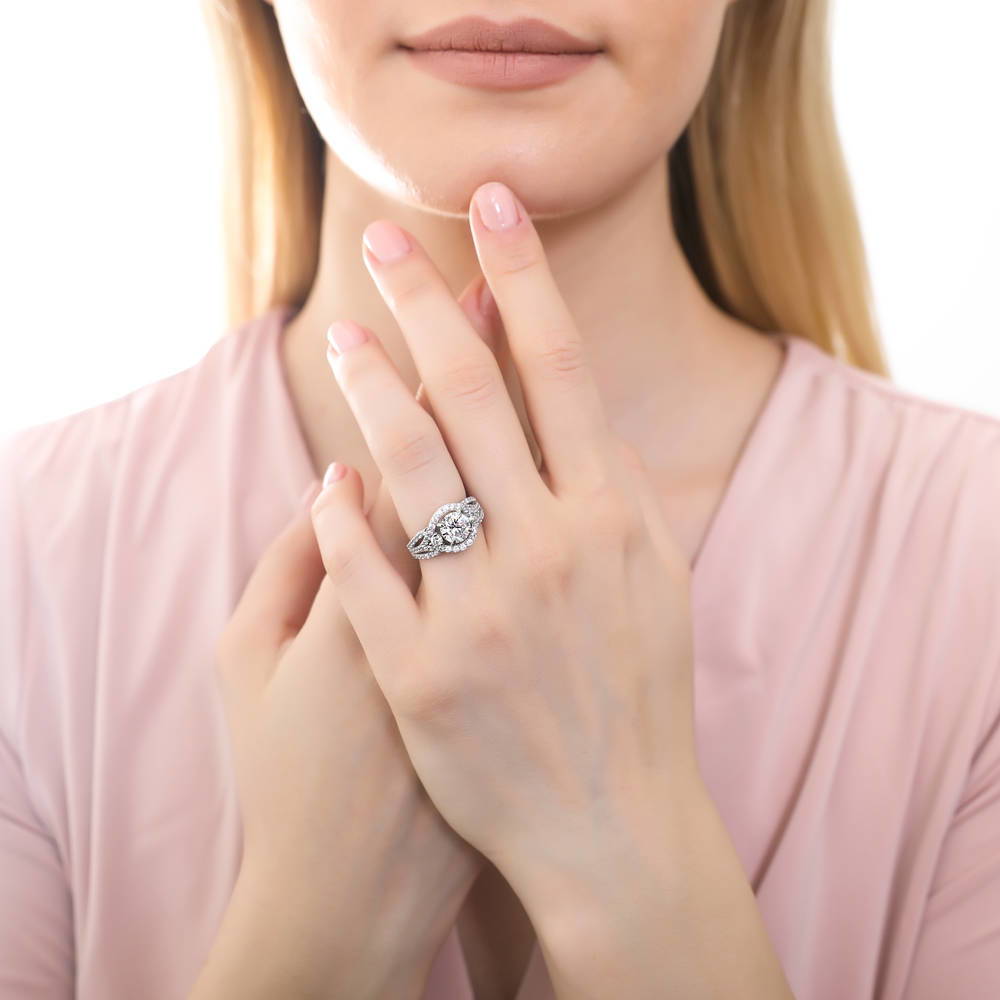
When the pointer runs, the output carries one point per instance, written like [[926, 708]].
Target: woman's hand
[[341, 843], [542, 677]]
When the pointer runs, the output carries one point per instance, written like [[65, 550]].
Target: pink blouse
[[846, 607]]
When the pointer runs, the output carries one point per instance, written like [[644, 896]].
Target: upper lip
[[479, 34]]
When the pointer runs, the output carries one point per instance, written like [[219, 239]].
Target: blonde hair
[[760, 195]]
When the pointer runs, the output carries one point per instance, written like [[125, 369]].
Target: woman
[[692, 692]]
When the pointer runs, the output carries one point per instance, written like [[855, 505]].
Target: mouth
[[481, 35]]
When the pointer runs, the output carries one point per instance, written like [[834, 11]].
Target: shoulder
[[67, 465], [84, 489], [850, 416], [825, 372], [911, 484], [892, 489]]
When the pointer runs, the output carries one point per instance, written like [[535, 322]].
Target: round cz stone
[[455, 527]]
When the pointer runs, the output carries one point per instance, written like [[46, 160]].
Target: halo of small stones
[[453, 527]]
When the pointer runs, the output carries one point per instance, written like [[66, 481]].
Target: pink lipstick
[[477, 52]]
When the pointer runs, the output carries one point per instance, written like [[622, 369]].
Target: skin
[[542, 681], [681, 380], [613, 372]]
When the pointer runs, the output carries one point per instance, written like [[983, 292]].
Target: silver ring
[[451, 528]]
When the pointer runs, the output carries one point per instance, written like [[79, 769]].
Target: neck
[[661, 351]]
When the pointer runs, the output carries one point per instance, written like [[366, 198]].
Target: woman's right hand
[[340, 841]]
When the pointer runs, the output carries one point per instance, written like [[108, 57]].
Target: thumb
[[272, 606]]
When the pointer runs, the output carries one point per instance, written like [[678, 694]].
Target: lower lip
[[500, 70]]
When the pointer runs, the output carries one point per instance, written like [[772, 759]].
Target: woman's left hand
[[541, 679]]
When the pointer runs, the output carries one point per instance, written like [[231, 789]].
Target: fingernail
[[345, 334], [497, 207], [386, 241], [334, 471]]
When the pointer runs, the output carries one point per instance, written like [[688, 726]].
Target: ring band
[[451, 528]]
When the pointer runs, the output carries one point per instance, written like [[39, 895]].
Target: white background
[[111, 249]]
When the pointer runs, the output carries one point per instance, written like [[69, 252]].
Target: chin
[[547, 178]]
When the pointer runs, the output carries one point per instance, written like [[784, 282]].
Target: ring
[[452, 527]]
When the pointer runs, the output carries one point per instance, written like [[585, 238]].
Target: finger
[[477, 303], [562, 397], [473, 409], [482, 316], [375, 598], [406, 443], [380, 509], [327, 627], [273, 605], [392, 539], [480, 310], [488, 315]]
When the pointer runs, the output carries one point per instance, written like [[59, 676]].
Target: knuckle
[[545, 562], [564, 356], [520, 256], [473, 382], [409, 287], [609, 514], [411, 449], [427, 698], [487, 629], [341, 559]]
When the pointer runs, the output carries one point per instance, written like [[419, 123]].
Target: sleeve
[[957, 952], [958, 949], [36, 930]]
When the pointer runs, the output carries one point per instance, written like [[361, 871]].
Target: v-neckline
[[275, 320], [730, 512], [723, 527], [704, 568]]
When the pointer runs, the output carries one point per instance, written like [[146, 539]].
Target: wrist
[[270, 943], [585, 889], [255, 954]]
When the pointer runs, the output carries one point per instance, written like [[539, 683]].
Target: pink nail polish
[[386, 241], [345, 334], [334, 471], [497, 207]]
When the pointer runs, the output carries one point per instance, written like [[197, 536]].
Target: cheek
[[668, 65], [331, 46]]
